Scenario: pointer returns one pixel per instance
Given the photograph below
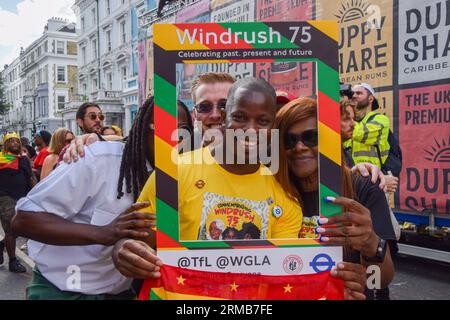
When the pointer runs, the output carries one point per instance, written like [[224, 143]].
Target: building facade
[[107, 35], [42, 81]]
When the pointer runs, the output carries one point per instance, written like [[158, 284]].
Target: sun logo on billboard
[[352, 10], [440, 152]]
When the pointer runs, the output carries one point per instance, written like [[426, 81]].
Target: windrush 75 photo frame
[[306, 41]]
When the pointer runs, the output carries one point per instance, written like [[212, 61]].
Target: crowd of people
[[94, 206]]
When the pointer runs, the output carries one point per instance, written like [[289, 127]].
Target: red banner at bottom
[[185, 284]]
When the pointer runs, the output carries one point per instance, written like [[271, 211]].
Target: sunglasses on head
[[207, 106], [309, 138], [94, 116]]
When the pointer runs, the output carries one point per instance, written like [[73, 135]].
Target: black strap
[[100, 136], [376, 146], [379, 154], [371, 117]]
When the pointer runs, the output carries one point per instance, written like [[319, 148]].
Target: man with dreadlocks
[[74, 217]]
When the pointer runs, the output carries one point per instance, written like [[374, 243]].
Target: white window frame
[[65, 74], [94, 16], [108, 40], [64, 46], [83, 24], [94, 87], [58, 103], [45, 73], [109, 83], [123, 33], [83, 54], [94, 48]]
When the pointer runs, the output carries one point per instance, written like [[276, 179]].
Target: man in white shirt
[[79, 212]]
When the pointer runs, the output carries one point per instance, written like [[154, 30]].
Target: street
[[415, 279], [12, 285]]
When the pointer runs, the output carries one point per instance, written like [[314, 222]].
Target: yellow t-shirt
[[217, 205]]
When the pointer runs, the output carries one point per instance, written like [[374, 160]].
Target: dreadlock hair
[[190, 124], [133, 167]]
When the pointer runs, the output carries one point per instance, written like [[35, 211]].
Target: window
[[84, 88], [61, 102], [108, 40], [44, 107], [60, 47], [82, 24], [108, 7], [94, 49], [109, 79], [123, 35], [45, 46], [94, 85], [45, 78], [83, 55], [61, 74], [38, 52], [94, 17], [124, 73], [39, 76]]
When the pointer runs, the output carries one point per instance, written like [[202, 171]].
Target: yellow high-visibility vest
[[366, 135]]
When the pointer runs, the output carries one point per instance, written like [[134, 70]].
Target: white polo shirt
[[81, 192]]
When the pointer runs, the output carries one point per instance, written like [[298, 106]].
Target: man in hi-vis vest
[[370, 130]]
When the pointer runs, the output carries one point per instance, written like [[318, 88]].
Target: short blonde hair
[[210, 77], [58, 140]]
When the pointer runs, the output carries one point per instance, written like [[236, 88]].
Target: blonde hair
[[58, 140], [210, 77]]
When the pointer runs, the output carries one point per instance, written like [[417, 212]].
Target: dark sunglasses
[[309, 138], [207, 106], [94, 116]]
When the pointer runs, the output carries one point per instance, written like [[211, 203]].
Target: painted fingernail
[[329, 199], [340, 266], [322, 221], [324, 239], [320, 230]]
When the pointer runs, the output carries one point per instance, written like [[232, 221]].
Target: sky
[[23, 21]]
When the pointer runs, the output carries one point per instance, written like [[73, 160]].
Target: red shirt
[[39, 161]]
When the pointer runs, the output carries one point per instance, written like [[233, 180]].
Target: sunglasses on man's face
[[309, 138], [207, 106], [94, 116]]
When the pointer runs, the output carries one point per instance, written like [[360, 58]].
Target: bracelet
[[380, 253]]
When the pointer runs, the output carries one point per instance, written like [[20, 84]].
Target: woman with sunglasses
[[61, 138], [363, 228]]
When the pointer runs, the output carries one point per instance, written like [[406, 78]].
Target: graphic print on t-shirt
[[309, 226], [228, 218]]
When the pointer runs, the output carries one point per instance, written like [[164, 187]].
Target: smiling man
[[209, 93], [230, 191]]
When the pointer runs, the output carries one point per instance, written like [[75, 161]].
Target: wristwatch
[[380, 253]]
